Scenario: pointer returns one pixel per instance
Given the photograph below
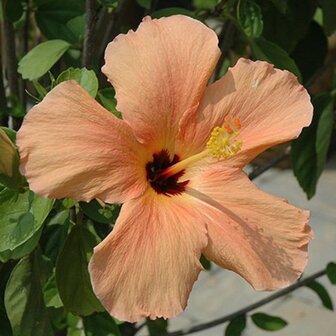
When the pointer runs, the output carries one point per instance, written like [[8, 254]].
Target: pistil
[[222, 144]]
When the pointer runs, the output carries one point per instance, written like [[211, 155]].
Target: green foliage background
[[45, 245]]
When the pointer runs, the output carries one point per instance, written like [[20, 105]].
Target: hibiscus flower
[[175, 160]]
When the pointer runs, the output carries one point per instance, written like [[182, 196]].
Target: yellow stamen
[[222, 144]]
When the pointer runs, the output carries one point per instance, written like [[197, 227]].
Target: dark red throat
[[167, 185]]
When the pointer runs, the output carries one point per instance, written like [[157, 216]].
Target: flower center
[[167, 185], [222, 144]]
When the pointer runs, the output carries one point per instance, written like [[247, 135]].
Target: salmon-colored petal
[[70, 146], [159, 72], [259, 236], [271, 105], [147, 266]]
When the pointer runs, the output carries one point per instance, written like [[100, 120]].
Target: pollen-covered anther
[[223, 142]]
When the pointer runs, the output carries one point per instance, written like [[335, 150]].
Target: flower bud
[[9, 163]]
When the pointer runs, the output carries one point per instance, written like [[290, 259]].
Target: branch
[[90, 8], [3, 101], [23, 50], [269, 164], [249, 308], [11, 62], [226, 40]]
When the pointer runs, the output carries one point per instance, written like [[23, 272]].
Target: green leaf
[[96, 212], [172, 11], [24, 301], [270, 52], [331, 272], [236, 326], [100, 324], [74, 327], [50, 293], [329, 15], [250, 18], [72, 274], [53, 18], [157, 327], [42, 92], [23, 249], [145, 3], [309, 59], [86, 78], [309, 151], [268, 322], [68, 203], [322, 293], [41, 58], [107, 99], [22, 214]]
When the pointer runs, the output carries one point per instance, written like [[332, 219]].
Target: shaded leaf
[[236, 326], [52, 17], [331, 272], [172, 11], [5, 271], [250, 18], [270, 52], [41, 58], [285, 29], [309, 151], [205, 262], [157, 327], [329, 16], [13, 9], [72, 276], [322, 293], [144, 3], [205, 4], [77, 27], [24, 301], [22, 214], [281, 5], [54, 235], [100, 324], [309, 59], [86, 78], [268, 322]]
